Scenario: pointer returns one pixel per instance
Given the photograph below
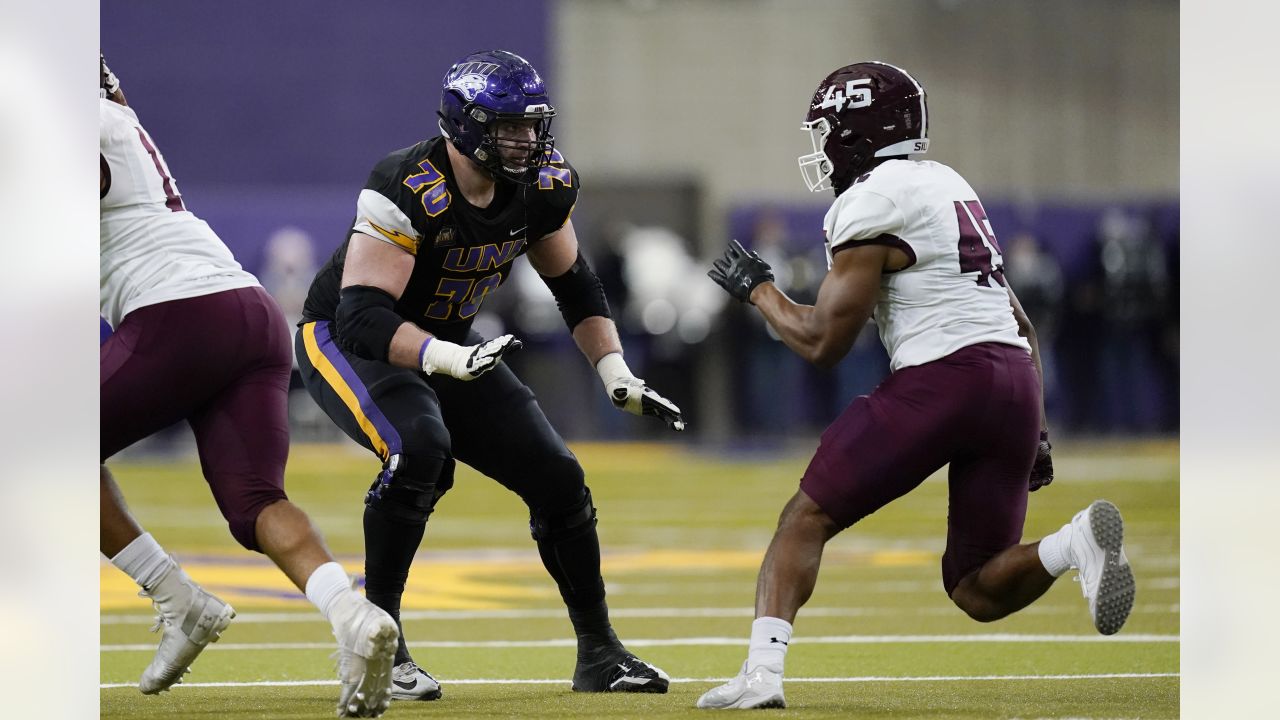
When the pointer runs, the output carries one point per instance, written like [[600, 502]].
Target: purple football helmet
[[859, 113], [494, 109]]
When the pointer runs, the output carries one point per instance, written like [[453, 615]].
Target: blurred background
[[683, 120]]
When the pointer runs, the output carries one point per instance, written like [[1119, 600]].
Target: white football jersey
[[152, 249], [952, 294]]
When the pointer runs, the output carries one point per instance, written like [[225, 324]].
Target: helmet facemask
[[816, 167], [836, 159], [514, 146]]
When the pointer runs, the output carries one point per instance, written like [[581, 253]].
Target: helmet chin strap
[[473, 178]]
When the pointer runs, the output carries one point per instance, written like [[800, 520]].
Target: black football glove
[[1042, 470], [739, 271]]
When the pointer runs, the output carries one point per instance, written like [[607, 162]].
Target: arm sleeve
[[579, 293], [366, 320]]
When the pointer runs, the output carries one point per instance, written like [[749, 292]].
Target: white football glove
[[465, 362], [629, 393]]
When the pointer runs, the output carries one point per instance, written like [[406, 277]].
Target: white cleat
[[411, 682], [1097, 551], [367, 638], [191, 618], [759, 688]]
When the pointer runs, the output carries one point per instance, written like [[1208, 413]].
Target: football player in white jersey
[[196, 338], [908, 242]]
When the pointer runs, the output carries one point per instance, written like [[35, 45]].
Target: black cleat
[[616, 670]]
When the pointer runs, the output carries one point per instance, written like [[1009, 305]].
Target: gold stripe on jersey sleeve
[[401, 240]]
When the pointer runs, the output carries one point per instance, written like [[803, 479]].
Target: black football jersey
[[462, 253]]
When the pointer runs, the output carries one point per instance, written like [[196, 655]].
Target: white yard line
[[875, 586], [562, 681], [701, 641], [559, 613]]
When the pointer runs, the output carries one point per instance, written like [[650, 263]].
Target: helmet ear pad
[[852, 154]]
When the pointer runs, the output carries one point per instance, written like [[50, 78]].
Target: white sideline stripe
[[702, 641], [562, 681], [530, 613]]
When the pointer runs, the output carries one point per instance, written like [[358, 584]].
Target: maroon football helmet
[[859, 113]]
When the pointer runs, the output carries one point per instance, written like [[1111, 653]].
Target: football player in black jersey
[[386, 348]]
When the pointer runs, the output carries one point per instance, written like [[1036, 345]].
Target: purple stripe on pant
[[328, 348], [221, 362], [977, 409]]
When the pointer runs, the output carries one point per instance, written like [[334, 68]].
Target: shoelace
[[161, 621], [415, 668]]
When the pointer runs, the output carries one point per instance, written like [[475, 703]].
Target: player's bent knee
[[561, 481], [566, 522], [976, 604], [983, 612], [801, 512], [426, 435], [243, 521], [409, 487]]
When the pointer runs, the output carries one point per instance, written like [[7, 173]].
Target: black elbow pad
[[579, 294], [365, 321]]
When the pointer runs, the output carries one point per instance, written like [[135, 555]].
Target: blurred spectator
[[287, 271], [1171, 334], [1135, 284], [1036, 277], [661, 301], [779, 391]]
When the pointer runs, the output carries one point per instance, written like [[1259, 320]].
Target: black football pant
[[492, 423]]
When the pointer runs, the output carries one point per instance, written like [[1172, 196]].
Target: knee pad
[[409, 487], [555, 524]]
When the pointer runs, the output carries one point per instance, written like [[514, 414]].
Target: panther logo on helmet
[[469, 85], [860, 113]]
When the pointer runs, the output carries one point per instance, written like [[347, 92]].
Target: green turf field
[[683, 534]]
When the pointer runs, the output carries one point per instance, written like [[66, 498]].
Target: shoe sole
[[1116, 588], [649, 686], [433, 695], [771, 703], [372, 695], [632, 685]]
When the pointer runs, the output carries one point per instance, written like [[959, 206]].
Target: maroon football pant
[[977, 409], [221, 362]]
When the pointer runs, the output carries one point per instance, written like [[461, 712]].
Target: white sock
[[326, 586], [144, 561], [1055, 551], [770, 638]]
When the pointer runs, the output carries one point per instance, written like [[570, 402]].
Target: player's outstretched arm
[[581, 299], [1042, 471], [821, 333]]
